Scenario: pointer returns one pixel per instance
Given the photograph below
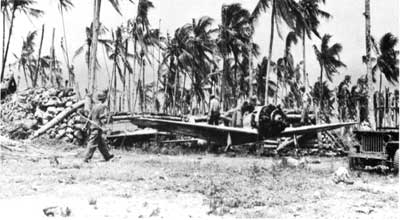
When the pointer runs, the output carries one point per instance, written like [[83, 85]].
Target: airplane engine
[[270, 121]]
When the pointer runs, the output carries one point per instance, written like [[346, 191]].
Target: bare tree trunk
[[154, 84], [183, 93], [124, 95], [70, 79], [26, 78], [159, 60], [304, 60], [319, 109], [320, 89], [139, 84], [4, 36], [133, 75], [52, 54], [38, 59], [129, 94], [114, 89], [371, 115], [175, 88], [92, 60], [8, 45], [271, 42], [250, 68], [144, 85]]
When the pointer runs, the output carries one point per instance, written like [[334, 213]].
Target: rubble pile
[[29, 110], [330, 147]]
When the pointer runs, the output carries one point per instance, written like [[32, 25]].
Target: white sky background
[[347, 27]]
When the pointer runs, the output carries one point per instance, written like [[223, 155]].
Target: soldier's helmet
[[347, 77]]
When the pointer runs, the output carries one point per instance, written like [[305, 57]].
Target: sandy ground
[[203, 186]]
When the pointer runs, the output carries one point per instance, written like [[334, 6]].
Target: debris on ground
[[342, 175], [290, 162], [27, 111], [53, 211]]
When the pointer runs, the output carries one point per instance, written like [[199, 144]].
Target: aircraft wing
[[217, 134], [314, 128]]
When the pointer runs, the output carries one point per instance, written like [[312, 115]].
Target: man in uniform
[[344, 98], [97, 114], [306, 103], [213, 112], [8, 86]]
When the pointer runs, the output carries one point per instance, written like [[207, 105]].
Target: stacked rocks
[[28, 110]]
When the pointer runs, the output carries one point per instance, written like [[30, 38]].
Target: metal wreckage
[[263, 125]]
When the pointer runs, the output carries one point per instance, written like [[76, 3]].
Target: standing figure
[[97, 114], [213, 111], [344, 98], [8, 86], [306, 103]]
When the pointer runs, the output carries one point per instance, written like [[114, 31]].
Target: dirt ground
[[206, 186]]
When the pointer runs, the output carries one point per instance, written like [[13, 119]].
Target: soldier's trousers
[[96, 141]]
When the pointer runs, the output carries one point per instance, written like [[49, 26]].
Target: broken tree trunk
[[58, 119]]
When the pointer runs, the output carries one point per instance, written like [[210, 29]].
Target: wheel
[[396, 161]]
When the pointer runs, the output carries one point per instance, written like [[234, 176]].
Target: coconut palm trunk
[[133, 92], [371, 115], [26, 77], [4, 36], [304, 60], [320, 89], [38, 59], [250, 68], [53, 60], [318, 112], [271, 42], [128, 89], [10, 30], [124, 94], [114, 76], [175, 89], [66, 47], [143, 85], [93, 52]]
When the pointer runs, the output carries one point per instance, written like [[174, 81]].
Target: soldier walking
[[98, 113]]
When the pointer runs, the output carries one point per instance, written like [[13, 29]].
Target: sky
[[347, 26]]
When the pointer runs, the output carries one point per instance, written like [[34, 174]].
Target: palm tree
[[260, 76], [287, 10], [26, 60], [387, 61], [328, 58], [142, 36], [117, 54], [232, 41], [95, 29], [11, 7], [308, 25], [202, 47], [285, 65], [85, 47], [322, 94], [177, 59]]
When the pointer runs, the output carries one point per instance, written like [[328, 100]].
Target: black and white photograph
[[199, 109]]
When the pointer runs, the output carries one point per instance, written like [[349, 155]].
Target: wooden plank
[[367, 156], [179, 141]]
